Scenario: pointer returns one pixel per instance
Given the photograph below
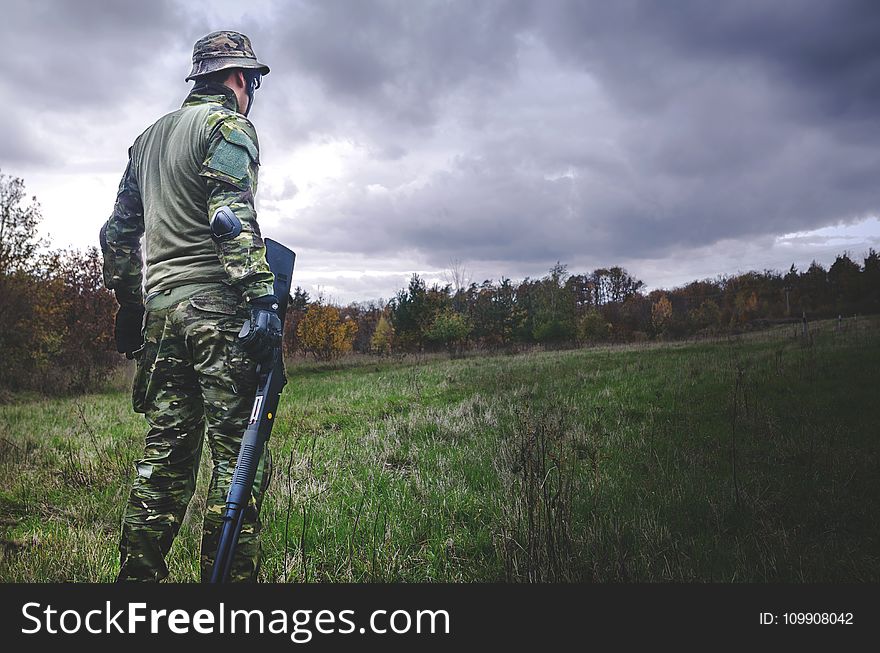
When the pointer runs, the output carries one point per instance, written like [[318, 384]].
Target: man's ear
[[236, 79]]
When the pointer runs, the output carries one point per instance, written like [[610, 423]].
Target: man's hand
[[127, 330], [262, 333]]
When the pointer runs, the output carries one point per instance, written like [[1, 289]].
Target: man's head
[[227, 57], [243, 82]]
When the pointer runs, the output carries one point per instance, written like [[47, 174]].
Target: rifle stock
[[270, 382]]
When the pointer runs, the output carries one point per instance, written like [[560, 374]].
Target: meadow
[[751, 458]]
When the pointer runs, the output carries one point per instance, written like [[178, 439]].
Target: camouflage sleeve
[[121, 242], [230, 168]]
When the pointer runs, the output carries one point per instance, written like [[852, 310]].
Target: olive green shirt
[[181, 170]]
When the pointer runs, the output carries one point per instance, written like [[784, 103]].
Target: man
[[189, 191]]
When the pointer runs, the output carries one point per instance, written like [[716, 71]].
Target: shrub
[[323, 334]]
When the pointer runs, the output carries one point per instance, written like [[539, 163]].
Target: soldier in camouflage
[[188, 192]]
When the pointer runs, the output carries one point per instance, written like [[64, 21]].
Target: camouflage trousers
[[192, 380]]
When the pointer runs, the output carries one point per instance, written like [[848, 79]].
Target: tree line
[[56, 322], [607, 305]]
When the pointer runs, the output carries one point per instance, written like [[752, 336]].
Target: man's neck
[[219, 93]]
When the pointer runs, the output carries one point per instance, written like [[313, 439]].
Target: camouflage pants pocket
[[145, 358], [143, 387]]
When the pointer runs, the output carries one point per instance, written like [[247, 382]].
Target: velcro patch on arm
[[234, 134], [230, 159], [233, 155]]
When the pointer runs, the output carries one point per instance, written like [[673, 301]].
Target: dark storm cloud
[[824, 53], [398, 58], [64, 60], [81, 54], [507, 131], [728, 120], [749, 117]]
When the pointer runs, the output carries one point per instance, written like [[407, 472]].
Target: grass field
[[750, 459]]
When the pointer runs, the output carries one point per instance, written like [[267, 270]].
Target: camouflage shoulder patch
[[241, 133], [231, 160], [233, 153]]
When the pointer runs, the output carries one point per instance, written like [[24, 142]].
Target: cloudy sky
[[679, 139]]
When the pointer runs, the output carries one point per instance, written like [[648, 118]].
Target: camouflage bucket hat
[[225, 49]]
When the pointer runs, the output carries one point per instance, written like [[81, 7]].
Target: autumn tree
[[707, 317], [56, 326], [383, 337], [18, 226], [28, 325], [296, 310], [86, 311], [367, 316], [661, 313], [633, 318], [324, 334]]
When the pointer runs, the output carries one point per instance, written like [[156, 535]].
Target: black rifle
[[270, 382]]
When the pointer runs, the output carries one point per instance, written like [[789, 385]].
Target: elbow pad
[[225, 225]]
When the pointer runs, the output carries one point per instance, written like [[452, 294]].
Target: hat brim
[[209, 66]]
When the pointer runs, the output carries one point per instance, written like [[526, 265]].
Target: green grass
[[751, 459]]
